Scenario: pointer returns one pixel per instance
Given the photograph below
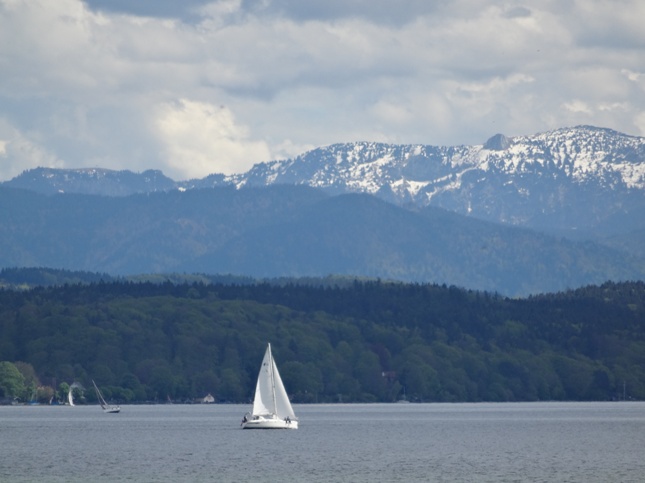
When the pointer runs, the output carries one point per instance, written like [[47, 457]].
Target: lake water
[[547, 442]]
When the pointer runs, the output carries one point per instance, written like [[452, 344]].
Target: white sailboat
[[271, 406], [107, 408], [70, 396]]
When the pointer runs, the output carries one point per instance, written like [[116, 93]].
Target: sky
[[196, 87]]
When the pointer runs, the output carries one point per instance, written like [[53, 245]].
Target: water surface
[[549, 442]]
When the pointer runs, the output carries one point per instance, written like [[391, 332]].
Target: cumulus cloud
[[201, 139], [138, 85]]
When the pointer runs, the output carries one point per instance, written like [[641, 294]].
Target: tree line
[[358, 341]]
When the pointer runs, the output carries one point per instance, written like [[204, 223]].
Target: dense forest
[[360, 341]]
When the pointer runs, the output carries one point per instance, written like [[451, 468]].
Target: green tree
[[232, 388], [303, 381], [12, 382]]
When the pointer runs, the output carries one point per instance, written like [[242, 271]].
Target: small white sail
[[99, 396], [104, 405], [70, 396], [271, 405]]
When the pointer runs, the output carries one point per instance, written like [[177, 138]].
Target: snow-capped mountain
[[568, 178], [583, 154], [572, 180]]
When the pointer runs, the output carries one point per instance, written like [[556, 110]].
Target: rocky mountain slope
[[563, 180]]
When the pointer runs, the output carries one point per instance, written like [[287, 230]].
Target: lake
[[503, 442]]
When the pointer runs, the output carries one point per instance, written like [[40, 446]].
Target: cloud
[[149, 8], [577, 106], [137, 85], [373, 11], [201, 139], [19, 153]]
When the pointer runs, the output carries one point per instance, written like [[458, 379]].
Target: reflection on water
[[574, 442]]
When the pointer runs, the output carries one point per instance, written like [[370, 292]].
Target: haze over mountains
[[515, 215]]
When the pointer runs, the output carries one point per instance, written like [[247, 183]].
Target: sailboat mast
[[99, 395], [272, 365]]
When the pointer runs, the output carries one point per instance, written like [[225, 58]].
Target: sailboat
[[107, 408], [70, 397], [271, 406]]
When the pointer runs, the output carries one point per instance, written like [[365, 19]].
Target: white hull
[[111, 410], [269, 423]]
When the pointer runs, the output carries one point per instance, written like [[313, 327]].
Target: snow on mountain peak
[[583, 170], [508, 179], [582, 153]]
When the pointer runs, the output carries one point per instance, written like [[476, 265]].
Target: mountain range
[[516, 215], [568, 179]]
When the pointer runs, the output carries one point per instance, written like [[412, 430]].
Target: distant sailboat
[[107, 408], [271, 406], [70, 397], [403, 399]]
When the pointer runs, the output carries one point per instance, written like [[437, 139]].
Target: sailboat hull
[[269, 423]]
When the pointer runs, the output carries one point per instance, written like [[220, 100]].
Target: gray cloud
[[378, 11], [517, 12], [149, 8]]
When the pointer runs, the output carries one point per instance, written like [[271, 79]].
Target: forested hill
[[369, 341]]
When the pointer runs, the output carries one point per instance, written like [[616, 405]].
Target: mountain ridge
[[568, 181], [573, 150], [533, 177], [294, 231], [517, 180], [585, 184]]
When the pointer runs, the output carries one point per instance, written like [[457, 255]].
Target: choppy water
[[549, 442]]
